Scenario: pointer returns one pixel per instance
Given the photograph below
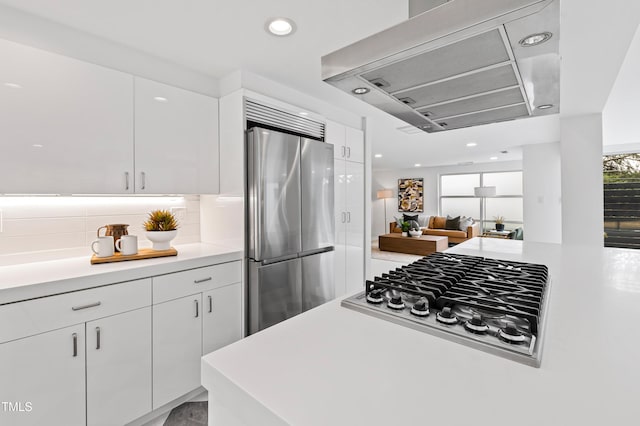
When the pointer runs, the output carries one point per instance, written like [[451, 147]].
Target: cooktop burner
[[494, 305]]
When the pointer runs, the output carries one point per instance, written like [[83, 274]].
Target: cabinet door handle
[[143, 180], [90, 305], [97, 338], [197, 309], [344, 151], [348, 152], [210, 304], [75, 344], [344, 217], [126, 181], [348, 217], [202, 280]]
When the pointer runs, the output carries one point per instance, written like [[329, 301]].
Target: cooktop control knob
[[476, 325], [420, 308], [446, 316], [476, 320], [396, 303]]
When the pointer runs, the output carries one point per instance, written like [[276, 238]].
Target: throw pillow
[[452, 223], [465, 222], [409, 218], [439, 222], [414, 225], [423, 221]]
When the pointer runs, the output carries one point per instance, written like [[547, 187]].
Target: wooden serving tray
[[145, 253]]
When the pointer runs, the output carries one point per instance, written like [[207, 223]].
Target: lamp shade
[[384, 193], [485, 191]]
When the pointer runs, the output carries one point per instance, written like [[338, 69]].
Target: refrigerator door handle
[[317, 251], [348, 217]]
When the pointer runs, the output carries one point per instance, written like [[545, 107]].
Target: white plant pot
[[404, 234], [161, 239]]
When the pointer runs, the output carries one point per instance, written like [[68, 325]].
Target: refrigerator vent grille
[[283, 120]]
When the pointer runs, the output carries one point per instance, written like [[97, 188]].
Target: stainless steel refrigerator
[[290, 225]]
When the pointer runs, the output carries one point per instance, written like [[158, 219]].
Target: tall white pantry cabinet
[[349, 172], [71, 127]]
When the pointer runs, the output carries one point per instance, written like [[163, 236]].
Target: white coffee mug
[[127, 245], [105, 246]]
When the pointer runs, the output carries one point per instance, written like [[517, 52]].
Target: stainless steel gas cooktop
[[497, 306]]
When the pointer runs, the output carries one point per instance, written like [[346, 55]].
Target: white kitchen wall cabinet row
[[111, 354], [349, 206], [71, 127]]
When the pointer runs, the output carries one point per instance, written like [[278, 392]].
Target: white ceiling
[[216, 37]]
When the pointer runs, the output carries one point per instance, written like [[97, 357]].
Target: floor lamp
[[383, 194], [484, 192]]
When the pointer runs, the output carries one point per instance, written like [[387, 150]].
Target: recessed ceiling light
[[160, 99], [280, 26], [360, 90], [535, 39], [378, 155], [303, 113], [37, 145], [545, 106], [493, 158], [472, 144], [417, 165], [13, 85]]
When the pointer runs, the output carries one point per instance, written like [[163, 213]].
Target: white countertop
[[70, 270], [335, 366]]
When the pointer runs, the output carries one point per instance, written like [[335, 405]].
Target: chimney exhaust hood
[[463, 63]]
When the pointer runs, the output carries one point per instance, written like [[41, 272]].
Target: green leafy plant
[[499, 220], [405, 226], [161, 220]]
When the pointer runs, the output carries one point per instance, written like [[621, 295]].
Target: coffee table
[[422, 245]]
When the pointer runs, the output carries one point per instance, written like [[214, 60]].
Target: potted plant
[[499, 223], [161, 227], [405, 228]]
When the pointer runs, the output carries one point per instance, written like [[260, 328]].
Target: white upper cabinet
[[66, 126], [348, 142], [354, 142], [176, 140], [335, 134], [71, 127]]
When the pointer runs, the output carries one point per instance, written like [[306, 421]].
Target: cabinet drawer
[[180, 284], [49, 313]]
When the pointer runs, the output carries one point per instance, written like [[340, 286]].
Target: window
[[457, 197]]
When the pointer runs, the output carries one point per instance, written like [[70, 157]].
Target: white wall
[[582, 192], [542, 192], [431, 175], [30, 224]]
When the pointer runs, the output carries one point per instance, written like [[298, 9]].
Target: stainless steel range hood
[[457, 65]]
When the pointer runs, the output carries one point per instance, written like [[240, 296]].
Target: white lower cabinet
[[43, 377], [112, 354], [177, 348], [194, 312], [119, 368], [221, 324]]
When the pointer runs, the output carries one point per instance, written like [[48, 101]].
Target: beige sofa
[[455, 236]]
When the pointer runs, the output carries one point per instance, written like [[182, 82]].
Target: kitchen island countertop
[[70, 270], [335, 366]]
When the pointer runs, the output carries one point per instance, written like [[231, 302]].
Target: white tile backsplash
[[47, 223]]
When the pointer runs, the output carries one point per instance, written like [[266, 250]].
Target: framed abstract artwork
[[410, 195]]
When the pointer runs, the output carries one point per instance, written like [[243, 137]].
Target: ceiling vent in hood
[[460, 64]]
